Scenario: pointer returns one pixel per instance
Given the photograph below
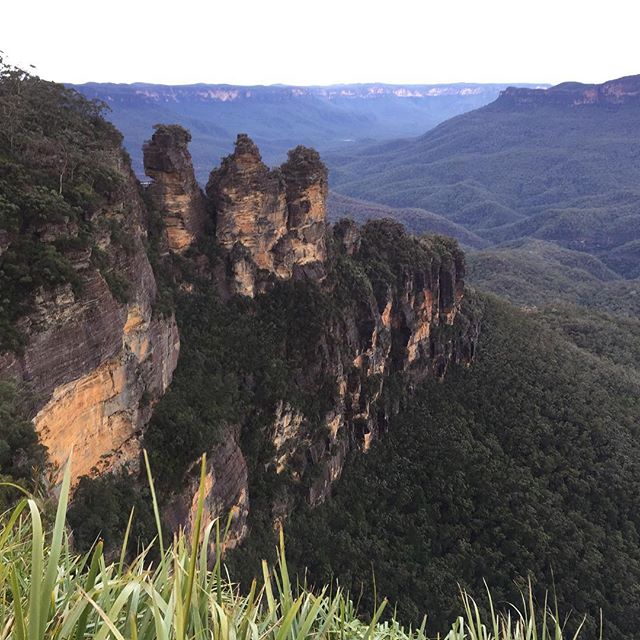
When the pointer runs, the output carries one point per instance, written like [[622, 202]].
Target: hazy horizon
[[313, 86]]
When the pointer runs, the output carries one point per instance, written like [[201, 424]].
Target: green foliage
[[613, 338], [559, 173], [20, 451], [100, 510], [238, 359], [48, 592], [538, 274], [163, 268], [58, 166], [522, 467]]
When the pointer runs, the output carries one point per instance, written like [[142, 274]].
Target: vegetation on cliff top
[[59, 162]]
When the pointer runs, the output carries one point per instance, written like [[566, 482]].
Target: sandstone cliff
[[403, 328], [622, 91], [95, 363], [394, 319], [270, 222]]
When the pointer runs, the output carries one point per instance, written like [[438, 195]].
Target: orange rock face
[[269, 221], [100, 415]]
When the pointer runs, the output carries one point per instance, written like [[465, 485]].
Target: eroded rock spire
[[272, 222], [174, 190]]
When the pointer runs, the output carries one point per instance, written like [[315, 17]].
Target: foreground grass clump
[[49, 592]]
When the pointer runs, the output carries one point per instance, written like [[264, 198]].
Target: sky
[[322, 41]]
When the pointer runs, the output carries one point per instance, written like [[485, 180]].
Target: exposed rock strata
[[174, 190], [270, 222], [94, 366]]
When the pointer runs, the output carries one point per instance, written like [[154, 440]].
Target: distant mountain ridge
[[230, 93], [278, 117], [560, 165], [613, 92]]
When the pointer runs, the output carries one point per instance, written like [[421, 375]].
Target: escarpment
[[623, 91], [326, 329], [96, 356], [297, 341]]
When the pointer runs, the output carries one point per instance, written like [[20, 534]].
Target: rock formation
[[270, 225], [174, 190], [96, 361], [94, 366], [411, 327], [270, 222]]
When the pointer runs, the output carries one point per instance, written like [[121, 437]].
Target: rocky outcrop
[[97, 361], [226, 495], [404, 329], [94, 365], [270, 222], [174, 190]]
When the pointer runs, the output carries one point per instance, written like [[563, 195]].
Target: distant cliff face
[[614, 92], [213, 93], [271, 223]]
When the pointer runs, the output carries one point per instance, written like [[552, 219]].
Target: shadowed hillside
[[559, 165]]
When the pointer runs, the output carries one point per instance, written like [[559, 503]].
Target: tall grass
[[49, 592]]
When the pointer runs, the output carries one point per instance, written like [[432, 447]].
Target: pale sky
[[322, 41]]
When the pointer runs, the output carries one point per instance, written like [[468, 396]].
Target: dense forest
[[523, 467], [59, 162]]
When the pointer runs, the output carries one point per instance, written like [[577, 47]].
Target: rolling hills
[[415, 220], [559, 165]]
